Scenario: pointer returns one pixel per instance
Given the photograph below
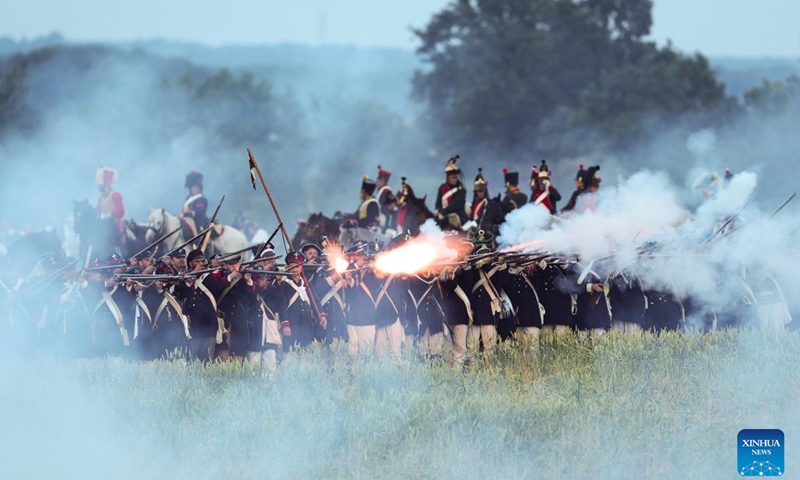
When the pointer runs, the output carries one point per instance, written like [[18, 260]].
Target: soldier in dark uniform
[[198, 296], [457, 312], [196, 205], [299, 326], [427, 297], [386, 200], [265, 314], [329, 288], [664, 311], [594, 304], [451, 198], [179, 260], [628, 302], [361, 294], [171, 326], [522, 291], [558, 291], [237, 294], [368, 213], [483, 282], [514, 197]]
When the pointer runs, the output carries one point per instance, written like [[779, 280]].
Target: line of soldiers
[[259, 310]]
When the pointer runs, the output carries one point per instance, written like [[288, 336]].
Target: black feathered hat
[[194, 179], [480, 182]]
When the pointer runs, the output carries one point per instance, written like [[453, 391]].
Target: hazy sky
[[714, 27]]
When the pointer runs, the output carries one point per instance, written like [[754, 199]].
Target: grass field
[[665, 406]]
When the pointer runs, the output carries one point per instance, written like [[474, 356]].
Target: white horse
[[351, 235], [228, 239], [161, 222]]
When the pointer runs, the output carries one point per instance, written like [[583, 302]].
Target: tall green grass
[[667, 406]]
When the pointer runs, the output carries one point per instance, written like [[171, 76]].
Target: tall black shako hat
[[194, 179], [511, 178], [367, 185]]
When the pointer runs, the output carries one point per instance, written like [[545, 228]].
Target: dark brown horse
[[313, 229]]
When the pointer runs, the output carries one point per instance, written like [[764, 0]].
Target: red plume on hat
[[383, 174]]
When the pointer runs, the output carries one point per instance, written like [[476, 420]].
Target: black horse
[[494, 214], [23, 255], [313, 229], [101, 234]]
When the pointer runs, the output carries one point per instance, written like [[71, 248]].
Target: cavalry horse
[[226, 239], [101, 234], [313, 229]]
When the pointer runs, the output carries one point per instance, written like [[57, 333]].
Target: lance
[[187, 242], [255, 170], [154, 244], [204, 244]]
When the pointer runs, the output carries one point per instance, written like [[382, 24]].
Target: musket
[[266, 272], [204, 243], [187, 242], [269, 240], [255, 170], [164, 237], [36, 287], [106, 267], [141, 276]]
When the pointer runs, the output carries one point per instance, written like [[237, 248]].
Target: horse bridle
[[163, 224]]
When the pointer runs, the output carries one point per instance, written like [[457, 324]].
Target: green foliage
[[16, 115], [510, 75], [611, 407], [774, 97]]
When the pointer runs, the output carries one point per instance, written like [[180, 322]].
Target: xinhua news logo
[[761, 453]]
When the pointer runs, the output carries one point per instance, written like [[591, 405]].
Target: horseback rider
[[109, 205], [542, 191], [386, 200], [451, 198], [479, 199], [194, 215], [368, 213], [514, 197]]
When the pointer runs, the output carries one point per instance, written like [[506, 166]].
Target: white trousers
[[361, 339], [559, 329], [487, 333], [389, 339], [431, 344], [625, 327], [268, 359]]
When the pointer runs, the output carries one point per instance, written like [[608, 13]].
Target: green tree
[[16, 115], [773, 97], [511, 75]]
